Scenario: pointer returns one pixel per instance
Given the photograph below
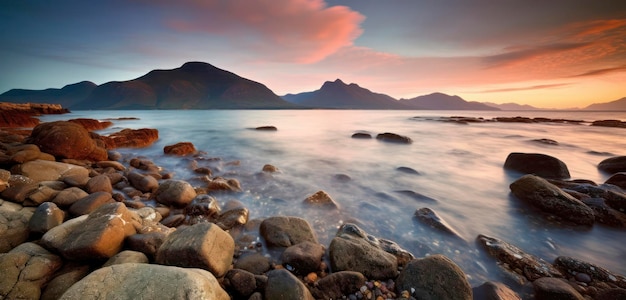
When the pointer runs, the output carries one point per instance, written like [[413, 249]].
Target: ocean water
[[460, 174]]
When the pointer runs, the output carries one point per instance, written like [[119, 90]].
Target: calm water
[[460, 166]]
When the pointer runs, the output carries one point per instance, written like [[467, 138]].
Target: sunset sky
[[549, 54]]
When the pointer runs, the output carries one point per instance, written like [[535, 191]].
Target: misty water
[[460, 174]]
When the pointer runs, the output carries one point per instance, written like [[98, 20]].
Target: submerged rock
[[180, 149], [537, 164], [555, 288], [281, 284], [394, 138], [321, 199], [266, 128], [286, 231], [434, 277], [430, 218], [613, 165]]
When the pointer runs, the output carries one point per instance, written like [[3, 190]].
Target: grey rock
[[281, 284], [47, 216]]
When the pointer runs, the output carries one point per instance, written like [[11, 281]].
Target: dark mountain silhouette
[[511, 106], [619, 105], [337, 94], [195, 85], [440, 101], [66, 96]]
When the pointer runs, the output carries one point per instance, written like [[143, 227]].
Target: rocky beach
[[80, 220]]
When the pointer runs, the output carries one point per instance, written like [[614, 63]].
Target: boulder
[[100, 183], [66, 277], [281, 284], [609, 123], [338, 284], [203, 205], [69, 196], [90, 203], [25, 270], [613, 164], [127, 256], [146, 281], [20, 192], [240, 282], [548, 288], [269, 168], [605, 214], [42, 194], [13, 229], [43, 170], [434, 277], [144, 183], [131, 138], [429, 217], [180, 149], [394, 138], [538, 164], [618, 179], [494, 291], [224, 185], [91, 124], [203, 245], [321, 199], [175, 193], [66, 140], [283, 231], [549, 198], [146, 243], [233, 217], [47, 216], [303, 258], [255, 263]]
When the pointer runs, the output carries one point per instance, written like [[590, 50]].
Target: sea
[[458, 174]]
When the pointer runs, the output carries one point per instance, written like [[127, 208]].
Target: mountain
[[66, 96], [619, 105], [440, 101], [195, 85], [511, 106], [337, 94]]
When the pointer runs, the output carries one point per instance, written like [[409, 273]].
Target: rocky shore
[[79, 220]]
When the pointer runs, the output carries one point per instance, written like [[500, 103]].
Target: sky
[[549, 54]]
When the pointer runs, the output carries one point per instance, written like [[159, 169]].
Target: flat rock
[[361, 135], [131, 138], [548, 288], [572, 265], [281, 284], [434, 277], [286, 231], [266, 128], [538, 164]]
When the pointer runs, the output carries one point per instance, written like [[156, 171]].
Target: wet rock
[[611, 294], [605, 214], [613, 165], [111, 164], [13, 229], [131, 138], [303, 258], [66, 140], [266, 128], [571, 265], [429, 217], [341, 178], [125, 257], [408, 170], [416, 196], [286, 231], [240, 282], [354, 250], [517, 260], [180, 149], [203, 245], [147, 281], [43, 170], [100, 183], [231, 218], [609, 123], [494, 291], [618, 179], [538, 164], [551, 199], [203, 205], [175, 192], [25, 270], [361, 135], [69, 196], [47, 216], [338, 284], [146, 243], [434, 277], [270, 168], [143, 183], [90, 203], [281, 284], [548, 288], [546, 142], [321, 199], [394, 138], [63, 280], [224, 185], [254, 263]]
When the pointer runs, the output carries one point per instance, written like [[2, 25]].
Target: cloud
[[603, 71], [300, 31], [526, 88], [526, 53]]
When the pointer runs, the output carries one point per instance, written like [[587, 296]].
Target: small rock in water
[[408, 170], [546, 142], [361, 135], [394, 138], [267, 128]]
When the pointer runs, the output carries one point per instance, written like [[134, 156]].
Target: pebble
[[583, 277]]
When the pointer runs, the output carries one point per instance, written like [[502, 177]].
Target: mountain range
[[199, 85]]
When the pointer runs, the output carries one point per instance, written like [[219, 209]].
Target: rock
[[19, 193], [283, 231], [66, 140], [408, 170], [546, 142], [255, 263], [516, 259], [494, 291], [69, 196], [43, 170], [146, 281], [321, 199], [434, 277], [242, 283], [146, 243], [549, 198], [618, 179], [63, 280], [231, 218], [303, 258], [4, 179], [144, 183], [203, 205], [224, 185], [611, 294], [180, 149], [538, 164], [609, 123], [548, 288], [361, 135], [266, 128], [91, 124], [394, 138], [613, 164], [90, 203], [430, 218], [100, 183], [416, 196], [125, 257], [571, 265], [605, 214], [175, 192], [338, 284], [40, 195], [13, 229], [111, 164], [351, 250], [131, 138], [281, 284], [203, 245], [47, 216], [270, 168]]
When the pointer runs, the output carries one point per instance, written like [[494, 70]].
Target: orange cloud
[[525, 88]]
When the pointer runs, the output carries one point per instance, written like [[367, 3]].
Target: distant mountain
[[195, 85], [511, 106], [619, 105], [67, 96], [440, 101], [337, 94]]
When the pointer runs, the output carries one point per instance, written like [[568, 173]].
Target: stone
[[203, 205], [203, 245], [549, 198], [90, 203], [26, 270], [408, 170], [321, 199], [611, 294], [131, 138], [394, 138], [283, 231], [617, 179], [434, 277], [66, 140], [429, 217], [281, 284], [234, 217], [548, 288], [266, 128], [303, 258], [69, 196], [605, 214], [13, 229], [144, 183], [111, 164], [338, 284], [241, 282], [91, 124], [47, 216], [100, 183], [127, 256], [572, 265], [494, 291], [146, 281], [609, 123], [361, 135], [19, 193], [538, 164], [63, 280], [613, 165], [255, 263], [180, 149], [43, 170], [175, 193], [270, 168], [146, 243], [40, 195], [224, 185], [4, 179]]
